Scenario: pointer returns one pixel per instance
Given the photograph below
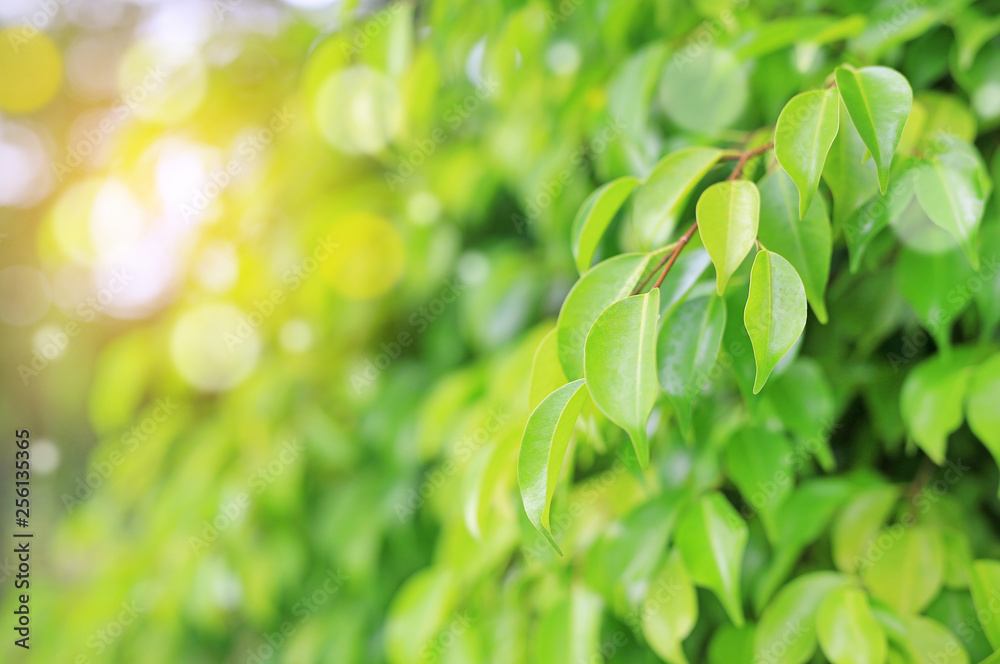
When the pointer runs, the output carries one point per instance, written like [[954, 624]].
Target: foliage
[[649, 332]]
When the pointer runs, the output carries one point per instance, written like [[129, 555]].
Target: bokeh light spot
[[358, 110], [370, 259], [215, 346], [30, 68]]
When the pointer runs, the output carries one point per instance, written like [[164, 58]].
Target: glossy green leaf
[[594, 217], [660, 199], [984, 584], [857, 525], [620, 365], [931, 402], [728, 215], [759, 464], [983, 406], [786, 633], [546, 372], [877, 213], [848, 632], [878, 100], [851, 182], [543, 449], [712, 537], [952, 198], [670, 610], [930, 642], [804, 242], [600, 287], [686, 350], [907, 568], [731, 644], [775, 314], [804, 134]]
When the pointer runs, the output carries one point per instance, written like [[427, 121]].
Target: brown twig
[[746, 156], [677, 250]]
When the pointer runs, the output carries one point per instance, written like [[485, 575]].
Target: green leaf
[[786, 633], [712, 538], [660, 199], [931, 402], [706, 91], [805, 131], [802, 398], [910, 570], [759, 464], [953, 200], [546, 372], [984, 584], [686, 350], [847, 630], [418, 612], [670, 610], [775, 314], [569, 631], [543, 449], [600, 287], [594, 217], [878, 212], [857, 525], [931, 283], [930, 642], [731, 644], [982, 407], [728, 213], [805, 243], [620, 365], [851, 182], [803, 518], [878, 100]]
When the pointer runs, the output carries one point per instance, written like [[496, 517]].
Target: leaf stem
[[746, 156], [677, 250]]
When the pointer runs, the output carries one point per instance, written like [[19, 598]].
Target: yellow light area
[[67, 226], [160, 85], [30, 68], [215, 346], [359, 110], [370, 258]]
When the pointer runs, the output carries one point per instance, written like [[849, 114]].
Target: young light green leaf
[[594, 217], [953, 200], [931, 402], [859, 522], [687, 348], [418, 612], [984, 584], [878, 100], [805, 131], [847, 630], [910, 570], [600, 287], [804, 242], [546, 372], [775, 314], [728, 214], [620, 365], [670, 610], [712, 537], [661, 198], [759, 462], [930, 642], [851, 182], [982, 407], [543, 449], [786, 633]]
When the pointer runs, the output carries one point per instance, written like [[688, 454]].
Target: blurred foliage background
[[272, 276]]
